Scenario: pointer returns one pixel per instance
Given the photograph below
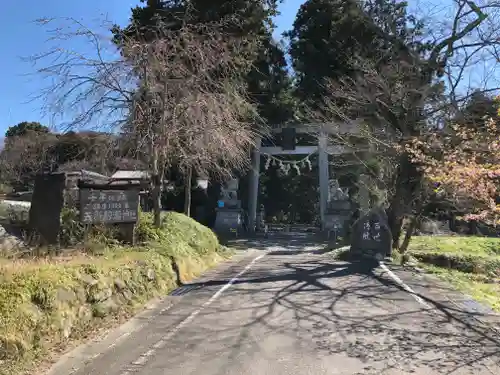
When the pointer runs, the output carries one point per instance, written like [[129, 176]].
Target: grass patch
[[45, 304], [478, 255], [471, 264], [480, 287], [483, 246]]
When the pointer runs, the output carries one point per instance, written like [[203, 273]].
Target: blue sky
[[21, 37]]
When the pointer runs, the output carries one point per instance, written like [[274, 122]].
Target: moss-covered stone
[[105, 308], [99, 292]]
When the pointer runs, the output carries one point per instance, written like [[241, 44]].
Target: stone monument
[[338, 210], [371, 236], [229, 215]]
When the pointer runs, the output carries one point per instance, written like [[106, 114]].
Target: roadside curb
[[473, 315]]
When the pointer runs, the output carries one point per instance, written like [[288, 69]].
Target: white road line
[[404, 286], [143, 358]]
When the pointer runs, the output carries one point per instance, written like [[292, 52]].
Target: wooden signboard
[[108, 206]]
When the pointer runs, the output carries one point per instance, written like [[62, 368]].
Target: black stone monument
[[371, 236]]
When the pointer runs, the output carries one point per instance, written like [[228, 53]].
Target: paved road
[[294, 311]]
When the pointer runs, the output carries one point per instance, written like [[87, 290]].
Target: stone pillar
[[324, 175], [229, 218], [253, 191]]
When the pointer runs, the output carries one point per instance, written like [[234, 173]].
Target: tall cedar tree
[[327, 34]]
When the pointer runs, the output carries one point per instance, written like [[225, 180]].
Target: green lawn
[[456, 245], [472, 264]]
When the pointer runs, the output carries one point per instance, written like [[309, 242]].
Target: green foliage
[[461, 262], [24, 127], [290, 198], [25, 156], [89, 146], [482, 246], [14, 213], [482, 288], [330, 36], [326, 35], [478, 108], [269, 85], [95, 239], [465, 254], [72, 230], [243, 18]]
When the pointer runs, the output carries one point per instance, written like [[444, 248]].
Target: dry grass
[[46, 304]]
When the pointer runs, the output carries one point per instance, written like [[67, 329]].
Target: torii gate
[[323, 149]]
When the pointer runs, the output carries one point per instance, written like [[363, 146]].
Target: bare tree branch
[[90, 88]]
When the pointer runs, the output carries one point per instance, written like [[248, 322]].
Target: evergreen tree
[[24, 127], [328, 35], [325, 36], [477, 109]]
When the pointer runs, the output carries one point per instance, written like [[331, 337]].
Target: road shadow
[[348, 308]]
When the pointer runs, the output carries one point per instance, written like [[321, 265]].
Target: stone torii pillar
[[324, 175], [253, 193]]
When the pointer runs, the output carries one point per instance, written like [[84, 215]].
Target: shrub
[[72, 230], [177, 229]]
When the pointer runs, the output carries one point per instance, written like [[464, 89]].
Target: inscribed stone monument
[[371, 236], [46, 206]]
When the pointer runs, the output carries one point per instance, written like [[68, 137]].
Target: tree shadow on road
[[349, 309]]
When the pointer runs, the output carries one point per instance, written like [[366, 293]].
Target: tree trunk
[[157, 181], [396, 213], [406, 187], [414, 223], [157, 200], [187, 192]]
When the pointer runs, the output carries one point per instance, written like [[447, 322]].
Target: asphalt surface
[[292, 310]]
